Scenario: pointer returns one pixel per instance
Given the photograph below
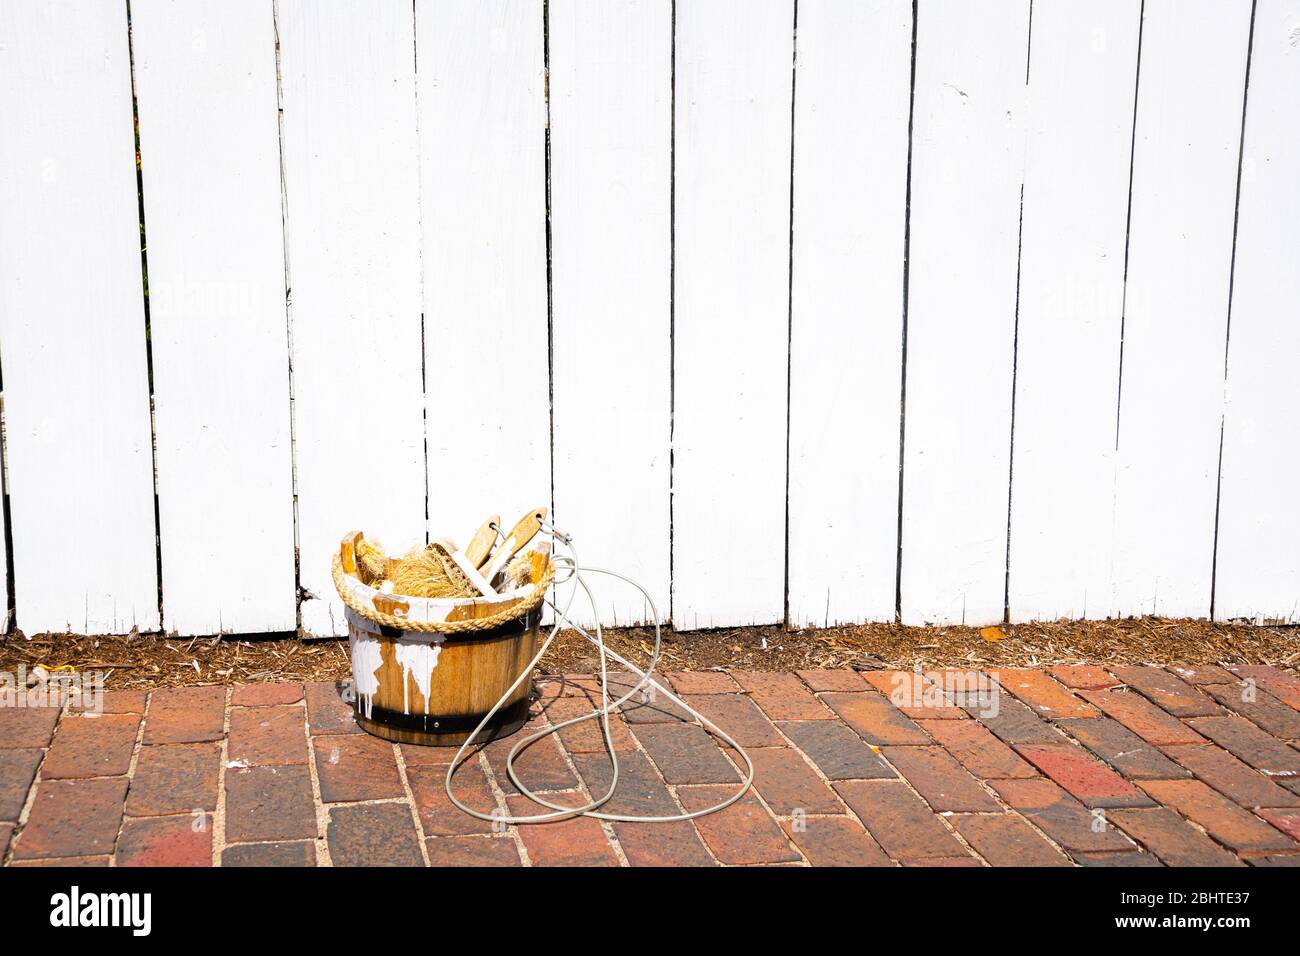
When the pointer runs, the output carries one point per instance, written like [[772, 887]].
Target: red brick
[[662, 844], [837, 751], [1285, 687], [269, 803], [1221, 818], [1171, 838], [1085, 778], [641, 792], [738, 716], [1131, 858], [1232, 778], [352, 768], [1288, 821], [788, 785], [265, 695], [1240, 737], [1084, 677], [911, 693], [1143, 717], [876, 720], [702, 682], [185, 715], [438, 815], [376, 834], [17, 771], [418, 755], [114, 702], [577, 841], [900, 821], [174, 778], [1122, 749], [91, 746], [941, 780], [1281, 859], [166, 841], [840, 679], [835, 841], [686, 753], [649, 705], [587, 736], [978, 750], [6, 831], [22, 728], [1200, 674], [326, 711], [267, 736], [73, 818], [1168, 691], [541, 766], [1064, 819], [742, 833], [297, 853], [1013, 722], [472, 851], [782, 696], [1264, 710], [69, 861], [947, 862], [1005, 839], [1040, 693]]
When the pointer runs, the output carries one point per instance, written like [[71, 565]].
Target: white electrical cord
[[575, 571]]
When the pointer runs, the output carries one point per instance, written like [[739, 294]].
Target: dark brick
[[649, 705], [1278, 860], [472, 851], [702, 682], [376, 834], [1014, 723], [1221, 818], [900, 821], [946, 862], [1083, 776], [640, 791], [166, 841], [73, 818], [1143, 717], [541, 766], [17, 771], [742, 833], [1285, 687], [1084, 676], [1200, 674], [788, 785], [840, 679], [6, 832], [1171, 838], [1122, 749], [587, 736], [782, 696], [835, 841], [1064, 819], [1264, 711], [875, 719], [1129, 858], [185, 715], [326, 711], [941, 780], [174, 778], [662, 844], [978, 750], [1232, 778], [22, 728], [1167, 691], [295, 853], [576, 841], [1005, 839], [1243, 739], [68, 861], [438, 815], [265, 695], [837, 751], [686, 753], [269, 803], [740, 717], [360, 767], [268, 736]]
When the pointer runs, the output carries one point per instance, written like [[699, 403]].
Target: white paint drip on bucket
[[366, 661], [418, 658]]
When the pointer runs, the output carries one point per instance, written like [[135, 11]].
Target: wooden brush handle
[[480, 546], [519, 536]]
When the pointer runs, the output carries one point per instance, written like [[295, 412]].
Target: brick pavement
[[1080, 765]]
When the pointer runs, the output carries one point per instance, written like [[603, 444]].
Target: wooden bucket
[[428, 687]]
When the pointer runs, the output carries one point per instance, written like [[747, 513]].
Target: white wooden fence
[[829, 313]]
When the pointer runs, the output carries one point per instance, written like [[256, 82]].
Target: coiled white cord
[[569, 563]]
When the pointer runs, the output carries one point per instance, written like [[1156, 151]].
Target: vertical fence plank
[[351, 173], [731, 262], [72, 323], [1259, 512], [1180, 248], [611, 154], [966, 174], [850, 194], [483, 179], [209, 141], [1083, 67]]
